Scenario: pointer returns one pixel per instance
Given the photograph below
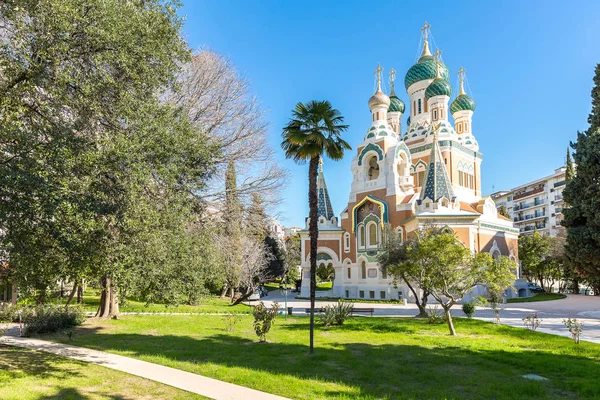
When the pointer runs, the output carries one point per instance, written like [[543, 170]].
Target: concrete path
[[194, 383], [584, 308]]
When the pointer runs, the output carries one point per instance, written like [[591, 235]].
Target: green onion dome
[[425, 69], [461, 103], [396, 105], [439, 87]]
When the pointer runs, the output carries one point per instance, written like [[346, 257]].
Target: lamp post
[[285, 291]]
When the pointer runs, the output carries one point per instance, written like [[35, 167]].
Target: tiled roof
[[437, 182], [325, 209]]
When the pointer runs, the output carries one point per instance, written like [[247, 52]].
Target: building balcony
[[529, 193], [531, 228], [531, 217], [523, 206]]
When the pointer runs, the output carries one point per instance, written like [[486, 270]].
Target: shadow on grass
[[17, 362], [74, 394], [366, 370]]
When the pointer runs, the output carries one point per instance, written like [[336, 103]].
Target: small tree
[[575, 328], [394, 259], [449, 270], [533, 249], [504, 212], [264, 319]]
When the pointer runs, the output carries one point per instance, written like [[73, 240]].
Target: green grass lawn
[[538, 297], [367, 358], [208, 305], [29, 375]]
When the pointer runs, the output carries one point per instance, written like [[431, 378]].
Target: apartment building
[[535, 205]]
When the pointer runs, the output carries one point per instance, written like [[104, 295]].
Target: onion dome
[[462, 102], [396, 105], [425, 69], [439, 87], [379, 99]]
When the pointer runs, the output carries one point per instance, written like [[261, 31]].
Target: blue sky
[[529, 66]]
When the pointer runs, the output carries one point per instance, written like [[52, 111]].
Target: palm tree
[[314, 130]]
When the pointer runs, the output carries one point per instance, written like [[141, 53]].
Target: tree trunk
[[224, 291], [449, 319], [231, 293], [79, 294], [109, 306], [314, 237], [421, 304], [71, 295]]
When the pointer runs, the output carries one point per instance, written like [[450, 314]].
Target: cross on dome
[[437, 55], [461, 77], [378, 72], [392, 76], [425, 30]]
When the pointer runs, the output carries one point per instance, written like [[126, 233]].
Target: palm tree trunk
[[314, 236]]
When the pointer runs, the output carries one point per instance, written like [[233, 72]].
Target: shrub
[[469, 309], [532, 322], [434, 315], [44, 319], [263, 319], [8, 313], [231, 320], [575, 328], [336, 314]]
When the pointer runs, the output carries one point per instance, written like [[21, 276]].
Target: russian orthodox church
[[426, 174]]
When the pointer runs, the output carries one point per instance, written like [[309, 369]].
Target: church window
[[459, 128], [373, 171], [419, 103], [371, 294], [414, 107], [361, 236], [382, 295], [347, 293], [435, 115], [363, 270], [346, 242], [361, 294], [372, 230], [349, 273], [421, 178]]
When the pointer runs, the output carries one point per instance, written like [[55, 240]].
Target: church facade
[[428, 173]]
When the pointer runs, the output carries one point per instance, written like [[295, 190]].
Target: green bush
[[44, 319], [469, 309], [435, 315], [8, 313], [263, 319], [336, 314]]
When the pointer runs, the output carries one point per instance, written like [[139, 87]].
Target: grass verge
[[538, 297], [366, 358], [32, 375]]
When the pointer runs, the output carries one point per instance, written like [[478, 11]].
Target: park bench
[[317, 310], [363, 310]]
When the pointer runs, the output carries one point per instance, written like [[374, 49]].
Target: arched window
[[373, 168], [435, 115], [349, 273], [402, 165], [419, 105], [372, 231], [363, 270], [346, 242], [361, 236]]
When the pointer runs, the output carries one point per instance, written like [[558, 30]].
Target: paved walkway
[[584, 308], [194, 383]]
